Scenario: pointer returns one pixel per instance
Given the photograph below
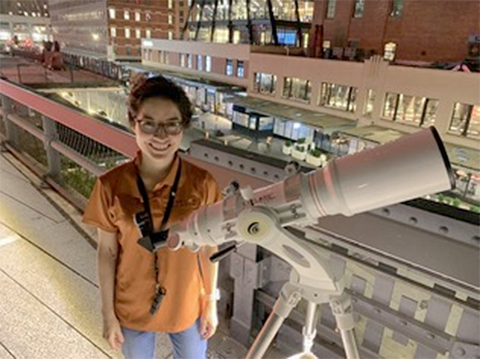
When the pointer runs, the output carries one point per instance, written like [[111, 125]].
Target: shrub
[[301, 141], [316, 153], [288, 143]]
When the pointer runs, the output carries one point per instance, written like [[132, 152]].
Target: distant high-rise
[[33, 8]]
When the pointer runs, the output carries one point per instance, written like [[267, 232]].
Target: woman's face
[[158, 142]]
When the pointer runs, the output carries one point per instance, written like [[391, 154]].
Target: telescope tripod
[[311, 279], [288, 299]]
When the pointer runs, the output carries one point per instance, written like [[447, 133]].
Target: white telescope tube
[[410, 167]]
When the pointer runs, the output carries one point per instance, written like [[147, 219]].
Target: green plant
[[300, 149], [457, 202], [301, 141], [474, 209], [288, 143], [316, 153]]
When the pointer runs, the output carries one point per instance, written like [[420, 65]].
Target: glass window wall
[[339, 97], [297, 89], [265, 83], [465, 120], [418, 111]]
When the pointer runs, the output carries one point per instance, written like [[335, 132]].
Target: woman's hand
[[112, 332], [209, 319]]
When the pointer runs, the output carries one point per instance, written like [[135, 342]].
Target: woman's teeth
[[159, 147]]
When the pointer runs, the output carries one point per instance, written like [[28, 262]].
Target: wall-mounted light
[[95, 36]]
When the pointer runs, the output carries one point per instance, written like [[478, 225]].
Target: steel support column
[[299, 25], [273, 22]]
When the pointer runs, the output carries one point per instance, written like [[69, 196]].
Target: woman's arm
[[209, 274], [107, 252]]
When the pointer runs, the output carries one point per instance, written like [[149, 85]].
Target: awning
[[373, 133], [327, 123]]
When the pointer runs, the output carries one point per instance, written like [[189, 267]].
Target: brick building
[[113, 29], [407, 31]]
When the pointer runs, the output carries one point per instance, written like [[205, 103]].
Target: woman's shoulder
[[115, 174], [196, 173]]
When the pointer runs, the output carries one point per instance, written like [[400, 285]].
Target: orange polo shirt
[[113, 202]]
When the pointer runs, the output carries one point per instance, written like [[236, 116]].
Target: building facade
[[113, 29], [408, 31], [27, 8]]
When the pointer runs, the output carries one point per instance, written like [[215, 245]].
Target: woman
[[143, 291]]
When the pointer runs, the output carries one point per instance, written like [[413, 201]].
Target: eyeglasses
[[151, 127]]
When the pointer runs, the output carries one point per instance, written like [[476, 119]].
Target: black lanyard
[[143, 191]]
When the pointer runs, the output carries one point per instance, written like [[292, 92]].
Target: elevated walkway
[[49, 297]]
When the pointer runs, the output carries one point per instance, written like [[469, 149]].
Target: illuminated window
[[148, 33], [138, 33], [127, 32], [331, 9], [465, 120], [199, 62], [397, 8], [189, 61], [339, 97], [297, 89], [182, 60], [265, 83], [170, 4], [359, 8], [170, 35], [126, 15], [229, 67], [208, 63], [413, 110], [389, 51], [170, 19], [240, 70], [113, 31], [137, 16]]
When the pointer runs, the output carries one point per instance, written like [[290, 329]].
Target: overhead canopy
[[373, 133], [327, 123]]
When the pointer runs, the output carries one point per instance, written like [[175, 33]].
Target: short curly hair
[[158, 87]]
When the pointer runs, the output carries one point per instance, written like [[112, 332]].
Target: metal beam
[[249, 24], [299, 25], [273, 22], [214, 18]]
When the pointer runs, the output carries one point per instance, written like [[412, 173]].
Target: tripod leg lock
[[342, 310]]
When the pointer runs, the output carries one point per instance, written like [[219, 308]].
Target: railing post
[[53, 157], [11, 130]]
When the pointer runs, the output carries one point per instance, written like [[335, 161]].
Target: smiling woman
[[145, 291]]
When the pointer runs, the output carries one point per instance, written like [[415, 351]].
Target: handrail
[[118, 140]]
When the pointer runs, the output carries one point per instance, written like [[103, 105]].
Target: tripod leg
[[309, 331], [286, 301], [342, 310]]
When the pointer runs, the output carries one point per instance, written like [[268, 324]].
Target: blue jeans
[[186, 345]]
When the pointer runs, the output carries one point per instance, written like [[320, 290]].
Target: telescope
[[412, 166]]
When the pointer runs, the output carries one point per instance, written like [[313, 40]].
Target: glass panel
[[474, 125], [389, 106], [331, 9], [397, 7], [430, 113], [459, 118], [410, 109], [359, 8]]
